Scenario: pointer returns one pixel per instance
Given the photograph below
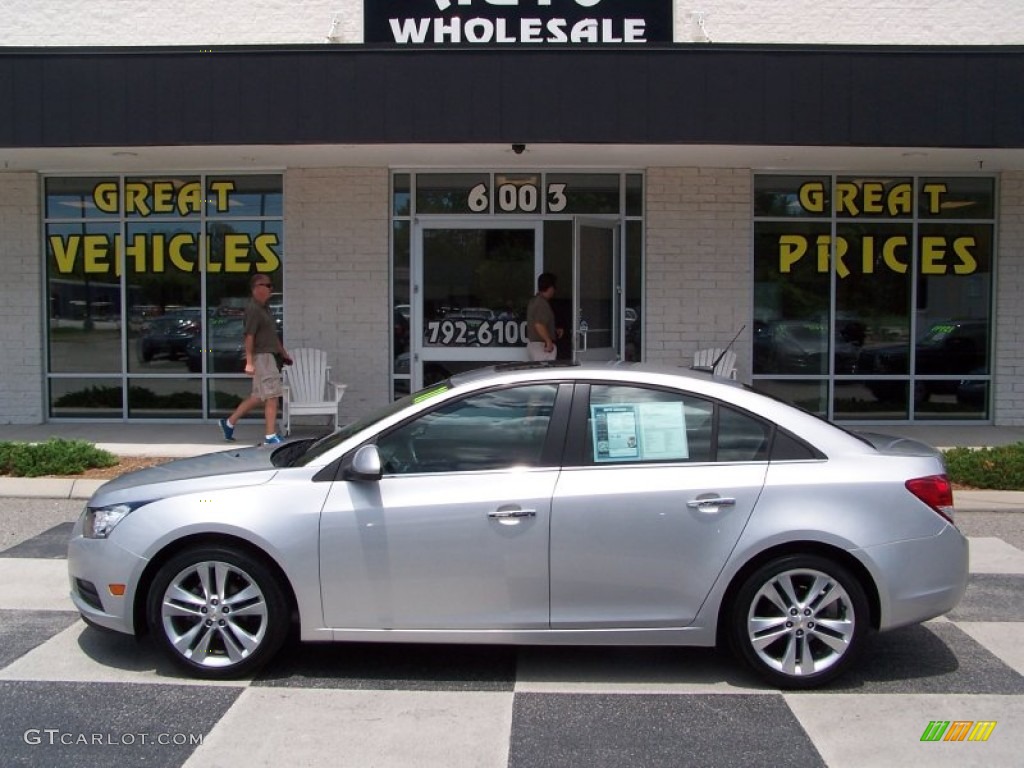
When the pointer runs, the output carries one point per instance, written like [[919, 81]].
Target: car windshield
[[327, 442]]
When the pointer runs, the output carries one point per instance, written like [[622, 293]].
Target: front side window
[[493, 430]]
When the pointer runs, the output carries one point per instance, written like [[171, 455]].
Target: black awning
[[681, 94]]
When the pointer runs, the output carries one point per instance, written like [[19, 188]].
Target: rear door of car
[[455, 534], [656, 490]]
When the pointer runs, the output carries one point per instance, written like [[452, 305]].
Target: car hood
[[904, 446], [243, 466]]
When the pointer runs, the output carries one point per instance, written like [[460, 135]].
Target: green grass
[[54, 457], [1000, 468]]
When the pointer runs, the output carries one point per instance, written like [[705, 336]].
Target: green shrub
[[54, 457], [999, 468]]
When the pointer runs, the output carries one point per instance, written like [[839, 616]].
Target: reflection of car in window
[[953, 347], [169, 334], [802, 346], [225, 347]]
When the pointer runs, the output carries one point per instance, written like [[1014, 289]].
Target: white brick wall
[[250, 22], [336, 276], [21, 332], [1009, 373], [699, 279]]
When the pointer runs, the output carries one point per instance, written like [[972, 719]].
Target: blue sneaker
[[228, 430], [272, 440]]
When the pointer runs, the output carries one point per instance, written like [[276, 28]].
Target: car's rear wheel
[[218, 612], [799, 621]]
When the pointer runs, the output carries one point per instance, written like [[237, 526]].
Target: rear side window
[[787, 448], [628, 424]]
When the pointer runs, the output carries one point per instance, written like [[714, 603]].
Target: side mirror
[[366, 464]]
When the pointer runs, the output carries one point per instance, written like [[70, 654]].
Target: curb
[[48, 487]]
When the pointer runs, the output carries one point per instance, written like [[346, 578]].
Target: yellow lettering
[[846, 198], [792, 248], [65, 252], [236, 253], [962, 247], [901, 199], [266, 245], [812, 196], [135, 198], [934, 192], [933, 250], [104, 195], [190, 198], [824, 246], [890, 257], [136, 250], [95, 254], [163, 197], [176, 252], [221, 190], [867, 254], [872, 200]]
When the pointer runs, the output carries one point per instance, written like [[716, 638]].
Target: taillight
[[936, 492]]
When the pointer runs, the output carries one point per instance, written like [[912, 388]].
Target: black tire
[[801, 643], [195, 625]]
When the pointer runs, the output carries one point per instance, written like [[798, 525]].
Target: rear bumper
[[924, 578]]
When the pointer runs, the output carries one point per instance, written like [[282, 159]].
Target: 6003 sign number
[[517, 198]]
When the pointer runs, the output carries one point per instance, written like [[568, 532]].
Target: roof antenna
[[711, 368]]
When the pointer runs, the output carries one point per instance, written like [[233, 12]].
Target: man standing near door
[[540, 321]]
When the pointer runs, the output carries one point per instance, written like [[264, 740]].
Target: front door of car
[[643, 524], [455, 534]]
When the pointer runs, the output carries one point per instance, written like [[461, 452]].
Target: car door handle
[[711, 503], [510, 513]]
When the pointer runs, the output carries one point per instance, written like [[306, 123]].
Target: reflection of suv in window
[[169, 334], [947, 347]]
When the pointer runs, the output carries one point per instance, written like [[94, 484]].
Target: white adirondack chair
[[726, 367], [308, 389]]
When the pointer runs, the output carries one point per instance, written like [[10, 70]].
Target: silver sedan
[[535, 504]]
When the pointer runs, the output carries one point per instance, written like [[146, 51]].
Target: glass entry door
[[597, 294], [472, 282]]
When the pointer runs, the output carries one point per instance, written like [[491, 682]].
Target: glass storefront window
[[148, 275], [879, 286]]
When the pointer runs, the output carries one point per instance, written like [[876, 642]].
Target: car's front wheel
[[799, 620], [218, 612]]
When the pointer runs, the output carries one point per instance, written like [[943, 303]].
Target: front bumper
[[95, 564], [923, 578]]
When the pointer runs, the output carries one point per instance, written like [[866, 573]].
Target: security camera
[[519, 148]]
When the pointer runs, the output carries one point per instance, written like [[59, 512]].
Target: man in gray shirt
[[261, 344]]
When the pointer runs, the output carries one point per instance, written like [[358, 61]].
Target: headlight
[[100, 521]]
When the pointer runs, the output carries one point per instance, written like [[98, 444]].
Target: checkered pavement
[[75, 696]]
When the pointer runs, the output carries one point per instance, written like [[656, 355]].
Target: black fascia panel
[[679, 94]]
